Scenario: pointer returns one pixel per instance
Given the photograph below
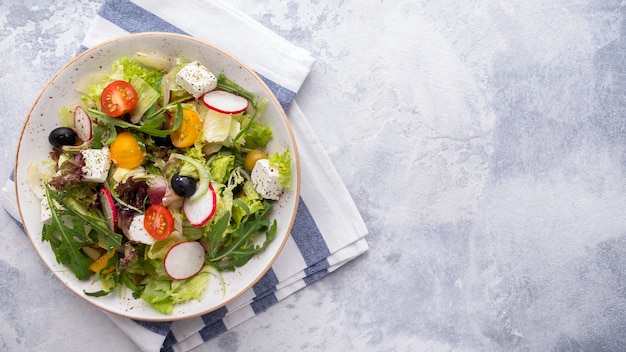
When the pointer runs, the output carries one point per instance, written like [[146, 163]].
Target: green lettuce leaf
[[221, 167], [123, 69], [250, 203], [126, 68], [148, 97], [257, 136], [282, 162], [163, 294]]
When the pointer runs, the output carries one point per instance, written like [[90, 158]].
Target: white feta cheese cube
[[196, 79], [97, 164], [137, 232], [46, 213], [265, 180]]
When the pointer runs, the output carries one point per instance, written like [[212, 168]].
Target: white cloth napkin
[[328, 230]]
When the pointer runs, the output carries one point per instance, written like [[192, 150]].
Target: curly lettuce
[[124, 69], [257, 136], [163, 294], [282, 162]]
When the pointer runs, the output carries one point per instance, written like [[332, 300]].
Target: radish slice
[[82, 124], [225, 102], [199, 211], [184, 260], [108, 208]]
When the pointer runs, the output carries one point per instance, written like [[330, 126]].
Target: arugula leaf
[[242, 255], [96, 140], [240, 247], [216, 233], [66, 248], [150, 126], [100, 293], [80, 215]]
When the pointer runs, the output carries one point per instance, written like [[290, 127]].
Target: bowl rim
[[293, 150]]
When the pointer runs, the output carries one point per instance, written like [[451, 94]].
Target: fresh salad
[[158, 178]]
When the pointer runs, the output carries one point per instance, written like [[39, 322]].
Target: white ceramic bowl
[[34, 146]]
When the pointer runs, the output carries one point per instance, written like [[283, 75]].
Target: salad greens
[[89, 221]]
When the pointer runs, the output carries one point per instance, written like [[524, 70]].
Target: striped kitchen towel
[[328, 230]]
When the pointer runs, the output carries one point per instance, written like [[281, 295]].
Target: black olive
[[62, 136], [236, 187], [236, 180], [184, 186], [163, 141]]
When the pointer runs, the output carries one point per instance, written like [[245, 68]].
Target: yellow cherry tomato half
[[126, 152], [189, 130], [102, 262]]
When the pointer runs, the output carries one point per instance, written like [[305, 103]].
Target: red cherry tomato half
[[118, 98], [158, 221]]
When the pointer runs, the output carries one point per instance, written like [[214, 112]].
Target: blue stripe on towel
[[308, 237], [267, 283], [314, 277], [213, 330], [282, 94], [161, 328], [119, 11], [213, 326], [169, 341], [319, 266], [216, 315], [262, 303]]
